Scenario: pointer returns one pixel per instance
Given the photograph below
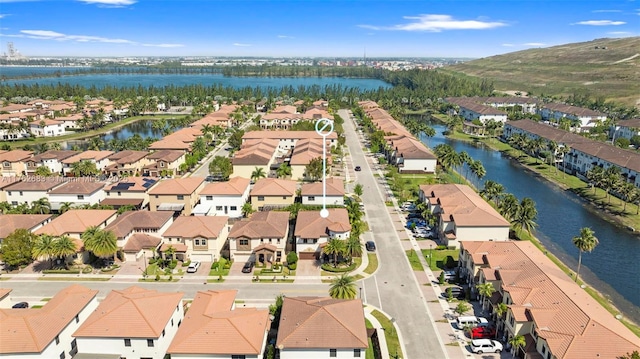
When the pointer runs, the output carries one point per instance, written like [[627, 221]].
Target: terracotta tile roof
[[53, 154], [184, 186], [335, 187], [128, 156], [265, 246], [464, 206], [84, 186], [166, 155], [318, 323], [4, 292], [11, 222], [169, 144], [212, 327], [256, 153], [32, 330], [197, 226], [15, 155], [179, 247], [568, 317], [274, 187], [285, 109], [286, 135], [139, 241], [132, 184], [37, 184], [307, 150], [572, 110], [47, 122], [88, 155], [119, 202], [76, 221], [409, 147], [131, 313], [138, 221], [474, 106], [268, 224], [632, 123], [8, 181], [235, 186], [309, 224]]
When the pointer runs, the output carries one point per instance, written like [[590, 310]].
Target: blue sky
[[311, 28]]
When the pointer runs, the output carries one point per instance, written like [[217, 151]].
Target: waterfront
[[611, 268]]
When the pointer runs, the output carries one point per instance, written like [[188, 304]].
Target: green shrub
[[89, 269], [292, 258], [153, 260], [222, 262], [186, 264], [275, 267], [61, 271], [173, 264], [293, 266], [329, 268], [157, 277], [441, 278], [441, 247], [214, 265]]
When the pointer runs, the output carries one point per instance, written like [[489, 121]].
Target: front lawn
[[414, 260], [373, 263], [390, 334], [440, 256]]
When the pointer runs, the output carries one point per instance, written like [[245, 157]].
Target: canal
[[612, 268]]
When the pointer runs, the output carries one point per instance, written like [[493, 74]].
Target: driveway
[[308, 268], [236, 269]]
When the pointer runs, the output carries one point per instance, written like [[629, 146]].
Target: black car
[[358, 168], [248, 267], [456, 292], [416, 215], [21, 305], [370, 246]]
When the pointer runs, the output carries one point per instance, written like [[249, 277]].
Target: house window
[[209, 198], [284, 197], [180, 197], [150, 343], [233, 208], [203, 242], [74, 344], [260, 198], [57, 339], [311, 198], [119, 193], [80, 196], [356, 353], [333, 353], [77, 319], [244, 242], [62, 356], [6, 164], [14, 203], [20, 193], [127, 342], [218, 208], [156, 196], [163, 332], [197, 242], [172, 322], [235, 356]]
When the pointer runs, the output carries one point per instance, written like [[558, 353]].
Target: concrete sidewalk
[[384, 349]]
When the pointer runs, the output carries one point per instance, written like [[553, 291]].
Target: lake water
[[143, 128], [612, 267]]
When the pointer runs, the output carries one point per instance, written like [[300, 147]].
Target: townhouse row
[[141, 323]]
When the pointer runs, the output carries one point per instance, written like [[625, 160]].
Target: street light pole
[[430, 255]]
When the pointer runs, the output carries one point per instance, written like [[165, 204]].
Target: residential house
[[5, 297], [410, 155], [129, 191], [179, 195], [556, 317], [313, 231], [47, 128], [51, 159], [214, 328], [16, 108], [583, 117], [226, 198], [312, 193], [71, 121], [305, 151], [322, 327], [5, 182], [31, 189], [13, 162], [261, 237], [253, 155], [471, 110], [132, 323], [139, 233], [80, 191], [462, 215], [270, 193], [197, 238], [46, 332], [164, 163], [626, 129], [170, 144], [288, 139], [14, 127], [31, 222], [99, 158], [127, 163]]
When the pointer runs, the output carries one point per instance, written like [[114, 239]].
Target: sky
[[307, 28]]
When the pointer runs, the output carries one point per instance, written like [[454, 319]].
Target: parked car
[[358, 168], [450, 275], [456, 292], [193, 267], [371, 246], [21, 305], [415, 215], [485, 346], [248, 267], [483, 333]]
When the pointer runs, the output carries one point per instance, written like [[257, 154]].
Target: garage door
[[307, 255], [201, 257]]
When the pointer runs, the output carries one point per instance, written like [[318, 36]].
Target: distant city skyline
[[331, 28]]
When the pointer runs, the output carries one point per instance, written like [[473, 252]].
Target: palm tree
[[358, 190], [334, 247], [353, 247], [517, 343], [65, 206], [485, 290], [500, 310], [41, 206], [43, 247], [478, 170], [343, 287], [562, 152], [43, 171], [611, 180], [101, 243], [627, 191], [596, 177], [63, 247], [257, 173], [465, 158], [247, 209], [283, 171], [526, 215], [492, 191], [585, 242]]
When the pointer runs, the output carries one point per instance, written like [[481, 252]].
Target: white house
[[32, 190], [214, 328], [312, 193], [100, 158], [201, 237], [226, 198], [410, 155], [307, 322], [586, 117], [47, 128], [132, 323], [79, 191], [51, 159], [313, 231], [46, 332], [626, 129]]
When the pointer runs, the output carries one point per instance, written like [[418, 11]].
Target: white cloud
[[618, 33], [600, 11], [285, 37], [241, 45], [57, 36], [600, 22], [3, 15], [537, 44], [110, 3], [437, 23], [508, 45]]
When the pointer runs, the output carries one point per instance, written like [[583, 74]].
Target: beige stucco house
[[176, 194]]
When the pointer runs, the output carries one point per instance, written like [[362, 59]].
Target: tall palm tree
[[63, 247], [517, 342], [334, 247], [353, 247], [43, 171], [486, 291], [478, 170], [41, 206], [283, 171], [585, 242], [596, 177], [43, 247], [465, 158], [526, 215], [65, 206], [247, 209], [612, 180], [343, 287], [101, 243], [257, 173], [500, 311]]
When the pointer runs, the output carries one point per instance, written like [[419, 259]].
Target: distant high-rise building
[[12, 53]]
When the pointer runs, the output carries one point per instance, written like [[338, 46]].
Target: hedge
[[329, 268]]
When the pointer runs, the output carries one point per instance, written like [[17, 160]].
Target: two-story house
[[31, 189], [47, 332], [47, 128], [270, 193], [164, 163], [31, 222], [139, 233], [132, 323], [127, 163], [262, 237], [179, 195], [312, 193], [313, 231], [79, 191], [197, 238], [99, 158], [51, 159], [226, 198], [129, 191], [13, 162]]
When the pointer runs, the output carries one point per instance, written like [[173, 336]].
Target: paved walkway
[[384, 349]]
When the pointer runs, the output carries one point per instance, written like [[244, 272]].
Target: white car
[[193, 267], [485, 346]]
